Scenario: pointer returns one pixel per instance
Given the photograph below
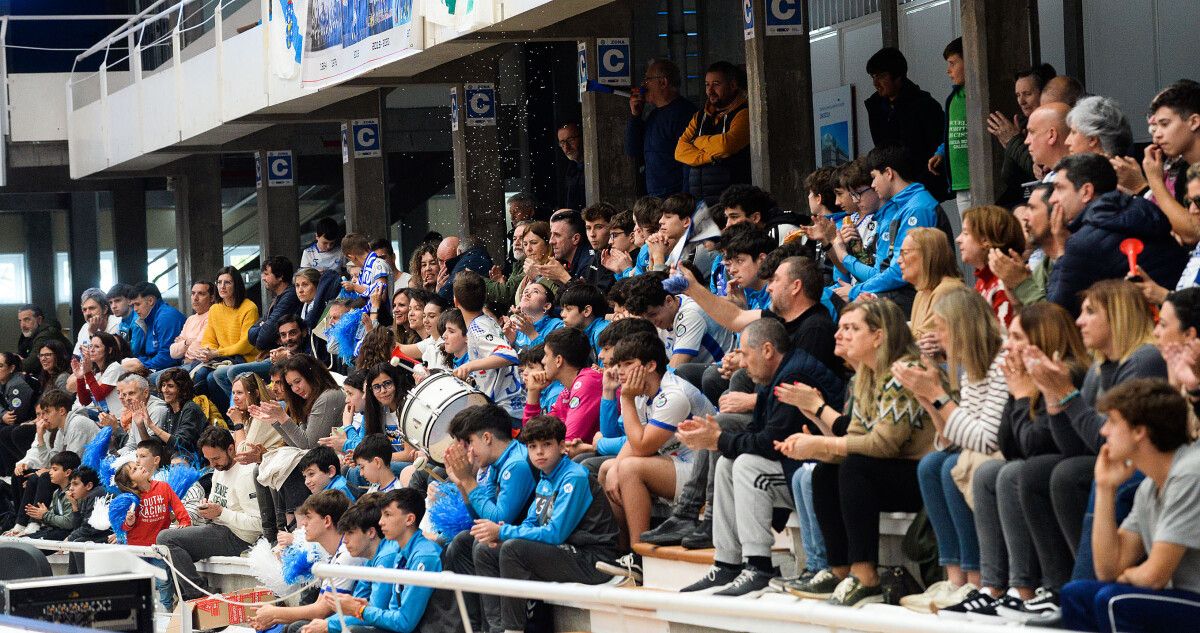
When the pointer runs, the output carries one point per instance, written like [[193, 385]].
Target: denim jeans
[[1088, 605], [220, 381], [951, 517], [166, 589], [1085, 569], [810, 530]]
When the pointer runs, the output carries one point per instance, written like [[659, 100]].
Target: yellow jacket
[[696, 150]]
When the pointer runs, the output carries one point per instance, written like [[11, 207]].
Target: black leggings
[[34, 489], [848, 498]]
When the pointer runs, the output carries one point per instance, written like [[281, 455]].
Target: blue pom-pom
[[117, 509], [675, 284], [449, 514], [97, 449], [346, 333], [298, 561], [181, 478]]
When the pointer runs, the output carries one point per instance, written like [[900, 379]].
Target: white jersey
[[503, 385], [697, 335], [332, 259], [677, 400], [85, 334]]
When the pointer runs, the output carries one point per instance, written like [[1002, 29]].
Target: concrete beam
[[278, 218], [477, 181], [995, 40], [129, 220], [198, 226], [779, 87], [84, 250], [889, 20]]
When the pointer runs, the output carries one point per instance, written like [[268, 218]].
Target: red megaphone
[[1132, 247]]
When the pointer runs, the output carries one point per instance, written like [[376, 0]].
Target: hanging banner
[[286, 36], [460, 15], [346, 38]]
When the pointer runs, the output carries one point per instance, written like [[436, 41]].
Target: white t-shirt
[[342, 557], [332, 259], [109, 377], [696, 334], [503, 385], [85, 334], [677, 400]]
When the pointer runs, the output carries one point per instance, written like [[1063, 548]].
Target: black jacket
[[185, 427], [28, 346], [573, 194], [19, 395], [1092, 251], [476, 259], [585, 265], [265, 333], [914, 120]]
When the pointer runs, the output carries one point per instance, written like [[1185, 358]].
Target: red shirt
[[578, 405], [154, 511], [989, 285]]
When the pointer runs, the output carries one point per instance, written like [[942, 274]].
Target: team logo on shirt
[[420, 566], [661, 400], [16, 391], [489, 337], [567, 488], [574, 402], [871, 226], [912, 220], [681, 329], [16, 403]]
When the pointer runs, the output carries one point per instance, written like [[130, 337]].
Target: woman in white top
[[95, 379]]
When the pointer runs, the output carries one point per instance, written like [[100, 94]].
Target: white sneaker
[[17, 530], [33, 526], [954, 597], [923, 602]]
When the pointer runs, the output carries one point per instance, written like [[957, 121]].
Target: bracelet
[[1067, 398], [821, 409], [361, 608]]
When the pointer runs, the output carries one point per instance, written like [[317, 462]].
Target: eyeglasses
[[569, 140], [857, 194], [383, 386], [46, 355]]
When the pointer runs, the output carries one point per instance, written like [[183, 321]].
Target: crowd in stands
[[690, 370]]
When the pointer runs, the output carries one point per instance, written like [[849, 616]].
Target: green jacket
[[1033, 290]]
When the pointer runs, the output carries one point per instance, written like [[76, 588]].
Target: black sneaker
[[670, 532], [976, 602], [1008, 601], [780, 583], [854, 594], [1042, 606], [819, 587], [751, 583], [701, 537], [715, 580], [628, 566]]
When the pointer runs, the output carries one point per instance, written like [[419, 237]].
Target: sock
[[725, 566], [760, 563]]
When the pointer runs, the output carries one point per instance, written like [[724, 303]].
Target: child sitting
[[57, 519], [84, 490], [373, 456], [322, 471], [531, 363]]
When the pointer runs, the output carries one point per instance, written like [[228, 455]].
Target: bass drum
[[425, 417]]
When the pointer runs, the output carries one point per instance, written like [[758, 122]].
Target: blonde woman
[[968, 331], [927, 262], [869, 457]]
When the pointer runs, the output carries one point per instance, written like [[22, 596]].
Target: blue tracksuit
[[912, 207], [339, 483], [504, 487], [407, 604], [378, 594], [566, 510], [544, 326]]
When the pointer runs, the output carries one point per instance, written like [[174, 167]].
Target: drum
[[425, 417]]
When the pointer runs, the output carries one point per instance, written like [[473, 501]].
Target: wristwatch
[[941, 402]]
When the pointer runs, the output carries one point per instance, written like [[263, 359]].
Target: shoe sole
[[865, 601], [984, 618], [924, 606], [749, 594], [808, 594], [613, 570], [665, 542]]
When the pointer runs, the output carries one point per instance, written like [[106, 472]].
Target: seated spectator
[[647, 214], [373, 457], [325, 253], [1099, 218], [294, 340], [1025, 282], [156, 509], [414, 317], [158, 324], [18, 401], [1154, 547], [597, 220], [314, 290], [424, 266], [184, 421], [927, 262], [495, 478], [231, 511], [36, 330], [584, 307], [403, 331], [538, 261], [985, 229], [618, 257], [968, 428], [653, 463], [386, 388], [153, 455], [906, 205], [322, 470], [567, 530], [532, 363], [678, 237], [688, 332], [858, 228], [751, 476], [869, 460], [136, 403], [249, 390], [84, 491], [54, 366], [455, 256], [1098, 127], [567, 360], [1177, 328], [58, 518], [745, 249], [94, 305], [188, 347], [321, 514], [573, 258], [1062, 89], [716, 144], [120, 303], [227, 335], [490, 361], [1190, 277], [530, 320]]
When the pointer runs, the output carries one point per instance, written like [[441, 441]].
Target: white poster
[[346, 38], [460, 15], [287, 36], [833, 119]]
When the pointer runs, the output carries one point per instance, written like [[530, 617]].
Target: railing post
[[104, 107], [219, 42], [177, 70]]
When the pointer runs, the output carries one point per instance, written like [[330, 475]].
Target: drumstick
[[422, 463]]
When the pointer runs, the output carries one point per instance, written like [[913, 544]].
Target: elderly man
[[94, 305], [157, 326], [455, 256], [571, 191], [1046, 137], [36, 331], [651, 140], [142, 411]]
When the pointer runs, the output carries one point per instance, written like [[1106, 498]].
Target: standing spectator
[[190, 342], [397, 278], [950, 160], [326, 252], [96, 315], [36, 329], [157, 326], [651, 140], [571, 191], [424, 267], [716, 144], [900, 113], [1017, 167], [1062, 89]]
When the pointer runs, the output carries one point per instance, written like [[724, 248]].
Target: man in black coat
[[900, 113]]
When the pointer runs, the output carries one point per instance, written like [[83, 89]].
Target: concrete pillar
[[39, 258], [477, 180], [1073, 40], [365, 179], [995, 40], [278, 217], [198, 227], [889, 22], [129, 230], [609, 175], [779, 86], [84, 250]]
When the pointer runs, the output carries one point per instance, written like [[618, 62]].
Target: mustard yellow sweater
[[228, 328]]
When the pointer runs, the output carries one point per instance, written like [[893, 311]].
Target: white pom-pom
[[421, 461], [267, 568], [99, 518], [395, 362]]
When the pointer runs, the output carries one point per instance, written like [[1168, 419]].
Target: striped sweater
[[975, 423]]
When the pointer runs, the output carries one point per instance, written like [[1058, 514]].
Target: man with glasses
[[570, 141], [651, 140]]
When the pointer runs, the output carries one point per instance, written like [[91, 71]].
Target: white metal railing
[[805, 611]]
